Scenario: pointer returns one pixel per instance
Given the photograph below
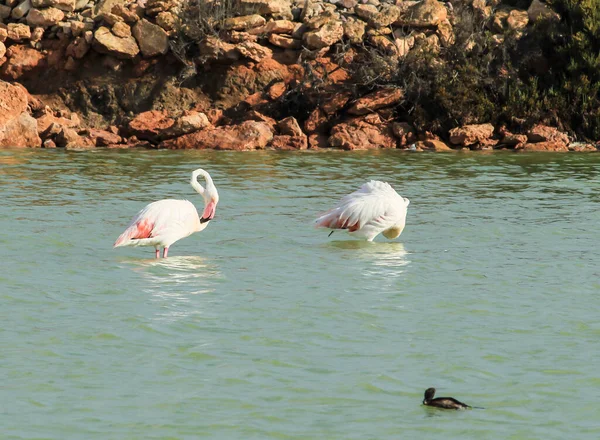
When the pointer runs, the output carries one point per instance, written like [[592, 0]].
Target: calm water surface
[[263, 327]]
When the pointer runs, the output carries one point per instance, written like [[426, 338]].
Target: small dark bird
[[442, 402]]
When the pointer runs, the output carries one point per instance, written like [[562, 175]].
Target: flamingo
[[162, 223], [373, 209]]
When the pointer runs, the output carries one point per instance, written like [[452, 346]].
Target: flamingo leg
[[165, 252], [157, 253]]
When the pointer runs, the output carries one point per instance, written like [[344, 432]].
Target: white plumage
[[373, 209], [162, 223]]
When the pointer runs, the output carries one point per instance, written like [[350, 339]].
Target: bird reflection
[[174, 283], [385, 258]]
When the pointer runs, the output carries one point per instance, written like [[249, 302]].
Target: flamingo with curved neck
[[162, 223]]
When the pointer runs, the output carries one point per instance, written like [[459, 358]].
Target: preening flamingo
[[162, 223], [373, 209]]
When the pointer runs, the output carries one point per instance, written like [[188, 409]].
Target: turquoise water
[[263, 327]]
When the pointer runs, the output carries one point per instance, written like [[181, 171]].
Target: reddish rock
[[277, 90], [432, 145], [254, 51], [149, 125], [253, 115], [478, 134], [426, 13], [189, 122], [18, 32], [49, 143], [329, 34], [362, 133], [290, 127], [379, 99], [48, 118], [286, 142], [511, 140], [552, 146], [44, 17], [249, 135], [284, 41], [78, 48], [335, 102], [316, 122], [103, 138], [404, 132], [214, 116], [70, 139], [17, 127], [543, 133], [21, 61], [317, 141]]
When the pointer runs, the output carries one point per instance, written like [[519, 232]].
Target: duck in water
[[442, 402]]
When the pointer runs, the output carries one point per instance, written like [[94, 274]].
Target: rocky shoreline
[[236, 75]]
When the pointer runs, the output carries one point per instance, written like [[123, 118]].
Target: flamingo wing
[[172, 218], [376, 204]]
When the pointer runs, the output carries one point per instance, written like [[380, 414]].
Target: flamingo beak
[[209, 212]]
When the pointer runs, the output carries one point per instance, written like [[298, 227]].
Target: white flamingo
[[162, 223], [373, 209]]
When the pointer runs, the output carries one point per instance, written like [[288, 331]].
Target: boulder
[[254, 51], [121, 29], [48, 118], [362, 133], [544, 133], [108, 43], [467, 135], [249, 135], [152, 39], [243, 23], [63, 5], [354, 30], [276, 8], [404, 132], [45, 17], [543, 146], [289, 126], [22, 60], [329, 34], [376, 100], [427, 13], [20, 10], [18, 32], [387, 15], [149, 125], [540, 11], [287, 142], [189, 122], [17, 127], [103, 138], [280, 27]]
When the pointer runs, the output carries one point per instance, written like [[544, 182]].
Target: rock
[[280, 27], [384, 44], [108, 43], [63, 5], [155, 7], [149, 125], [385, 17], [432, 145], [21, 61], [543, 133], [404, 132], [284, 41], [189, 122], [513, 19], [254, 51], [286, 142], [543, 146], [17, 127], [45, 17], [126, 14], [3, 34], [254, 115], [362, 133], [111, 19], [317, 141], [152, 39], [509, 139], [289, 126], [347, 4], [49, 143], [212, 48], [316, 122], [277, 90], [37, 34], [404, 45], [78, 48], [329, 34], [335, 102], [18, 32], [45, 122], [540, 11], [467, 135], [4, 12], [167, 20], [445, 33], [243, 23], [318, 21], [376, 100], [366, 12], [237, 37], [249, 135], [427, 13], [354, 30], [21, 10], [2, 50], [582, 147], [121, 29], [276, 8]]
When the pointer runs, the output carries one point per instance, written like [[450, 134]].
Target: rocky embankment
[[83, 74]]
